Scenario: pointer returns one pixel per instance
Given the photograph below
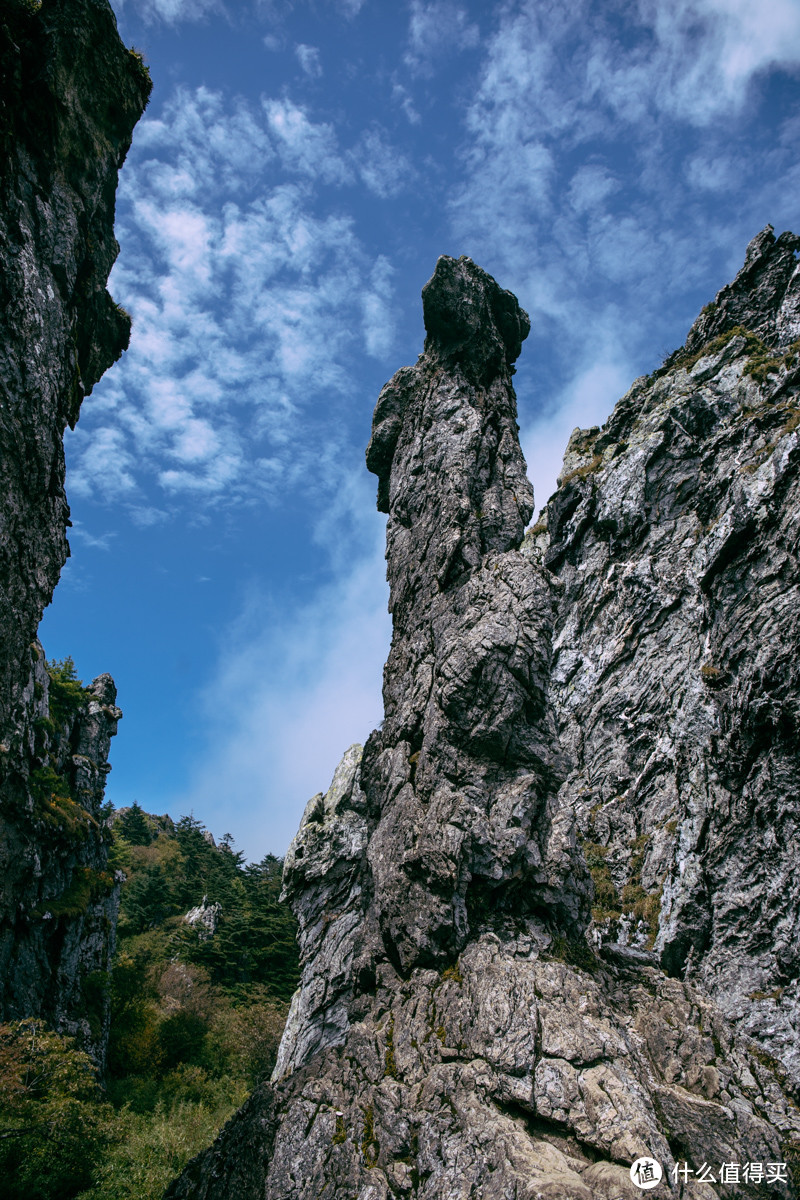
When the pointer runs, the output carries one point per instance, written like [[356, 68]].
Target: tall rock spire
[[467, 758]]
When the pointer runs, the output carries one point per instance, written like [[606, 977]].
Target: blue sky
[[298, 171]]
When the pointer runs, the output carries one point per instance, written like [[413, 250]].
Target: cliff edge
[[70, 95], [524, 904]]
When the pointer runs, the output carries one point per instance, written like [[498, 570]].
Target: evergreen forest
[[197, 1011]]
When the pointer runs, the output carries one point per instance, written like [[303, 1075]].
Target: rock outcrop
[[522, 906], [70, 94], [672, 543]]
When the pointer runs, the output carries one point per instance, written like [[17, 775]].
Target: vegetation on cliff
[[196, 1018]]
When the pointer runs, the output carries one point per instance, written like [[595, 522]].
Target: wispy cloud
[[172, 12], [309, 59], [290, 693], [436, 30], [247, 304], [384, 170], [402, 97], [583, 119], [350, 8], [309, 148], [708, 52], [101, 541], [586, 400]]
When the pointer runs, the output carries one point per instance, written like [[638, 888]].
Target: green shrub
[[67, 693], [54, 1126], [181, 1039], [246, 1038], [150, 1149]]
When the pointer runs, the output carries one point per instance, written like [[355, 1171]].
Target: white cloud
[[583, 119], [436, 30], [290, 693], [106, 465], [350, 8], [590, 186], [710, 50], [307, 148], [308, 57], [101, 541], [587, 400], [376, 306], [145, 516], [714, 173], [171, 12], [383, 168], [402, 96], [247, 305]]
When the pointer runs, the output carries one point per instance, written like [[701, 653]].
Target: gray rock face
[[70, 94], [522, 906], [463, 772], [672, 545], [205, 917]]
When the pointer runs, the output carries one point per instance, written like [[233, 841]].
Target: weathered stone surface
[[615, 698], [205, 917], [672, 543], [70, 94]]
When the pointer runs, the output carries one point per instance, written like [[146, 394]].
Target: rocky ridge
[[69, 98], [672, 543], [522, 904]]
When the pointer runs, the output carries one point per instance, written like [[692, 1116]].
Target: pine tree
[[134, 826]]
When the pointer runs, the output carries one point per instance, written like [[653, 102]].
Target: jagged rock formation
[[673, 543], [205, 917], [598, 715], [70, 94], [59, 898]]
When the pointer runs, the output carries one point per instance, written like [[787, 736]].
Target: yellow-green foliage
[[143, 71], [390, 1066], [55, 806], [790, 1154], [340, 1133], [247, 1036], [54, 1126], [575, 951], [582, 472], [452, 973], [792, 421], [764, 362], [605, 893], [753, 346], [150, 1149], [646, 906], [86, 885], [369, 1143]]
